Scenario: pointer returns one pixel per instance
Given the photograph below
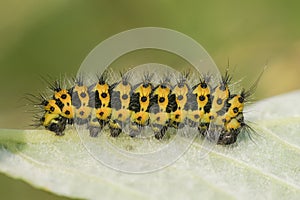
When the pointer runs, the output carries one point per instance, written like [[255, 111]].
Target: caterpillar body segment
[[58, 111], [139, 105], [200, 105], [81, 103], [180, 93], [162, 103], [101, 94], [120, 100]]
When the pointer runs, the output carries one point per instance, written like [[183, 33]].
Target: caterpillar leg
[[118, 121], [115, 128], [159, 131], [159, 124], [138, 121], [94, 125], [134, 130]]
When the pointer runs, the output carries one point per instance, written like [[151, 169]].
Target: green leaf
[[267, 167]]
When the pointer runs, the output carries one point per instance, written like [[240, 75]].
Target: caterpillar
[[213, 109]]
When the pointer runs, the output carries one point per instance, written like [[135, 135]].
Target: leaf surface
[[266, 168]]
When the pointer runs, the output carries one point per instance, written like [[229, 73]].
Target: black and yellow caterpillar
[[213, 110]]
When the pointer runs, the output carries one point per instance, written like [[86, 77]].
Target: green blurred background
[[52, 37]]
